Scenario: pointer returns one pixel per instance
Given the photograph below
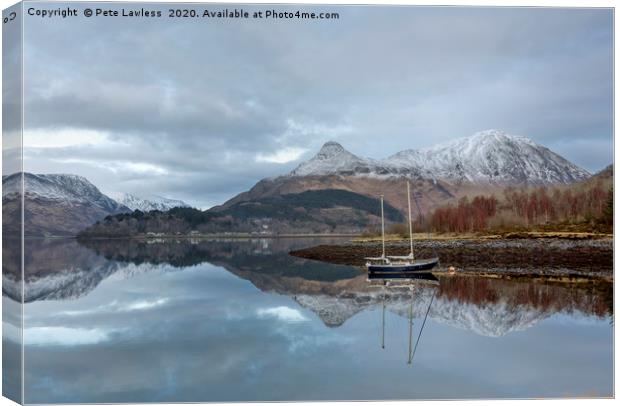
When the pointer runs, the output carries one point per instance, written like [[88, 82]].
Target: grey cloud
[[379, 80]]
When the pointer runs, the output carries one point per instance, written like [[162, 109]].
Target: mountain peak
[[490, 156], [493, 156], [331, 159], [330, 149]]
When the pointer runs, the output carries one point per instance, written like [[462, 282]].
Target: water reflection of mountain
[[65, 269], [489, 307], [264, 256], [58, 269]]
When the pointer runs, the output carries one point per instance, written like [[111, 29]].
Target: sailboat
[[396, 267]]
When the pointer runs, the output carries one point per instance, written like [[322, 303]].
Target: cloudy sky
[[202, 109]]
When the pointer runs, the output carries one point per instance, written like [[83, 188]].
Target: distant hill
[[492, 157], [54, 204], [312, 211], [605, 173], [147, 203]]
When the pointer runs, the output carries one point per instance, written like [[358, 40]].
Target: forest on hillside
[[586, 206], [311, 212]]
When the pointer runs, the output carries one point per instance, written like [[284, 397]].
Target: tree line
[[590, 205]]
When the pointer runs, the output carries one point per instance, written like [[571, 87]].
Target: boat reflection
[[413, 283]]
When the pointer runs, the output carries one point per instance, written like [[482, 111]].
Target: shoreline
[[568, 235], [193, 237], [559, 260], [516, 235]]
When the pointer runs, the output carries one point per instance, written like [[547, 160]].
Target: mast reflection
[[413, 285]]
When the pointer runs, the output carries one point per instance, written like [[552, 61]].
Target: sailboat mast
[[382, 230], [410, 225]]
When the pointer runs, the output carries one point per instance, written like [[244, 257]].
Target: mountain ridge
[[490, 156], [481, 163], [61, 204], [153, 202], [60, 187], [54, 204]]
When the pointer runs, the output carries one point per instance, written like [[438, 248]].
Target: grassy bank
[[570, 235]]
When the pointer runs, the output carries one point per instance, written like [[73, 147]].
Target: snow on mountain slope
[[491, 320], [54, 204], [332, 310], [490, 156], [333, 159], [494, 319], [75, 281], [147, 204], [61, 188]]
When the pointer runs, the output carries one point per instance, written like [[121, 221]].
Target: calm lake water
[[114, 321]]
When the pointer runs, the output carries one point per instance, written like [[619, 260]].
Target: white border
[[506, 3]]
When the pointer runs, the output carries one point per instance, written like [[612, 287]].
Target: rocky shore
[[560, 259]]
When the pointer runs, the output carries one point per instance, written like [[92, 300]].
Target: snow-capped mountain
[[492, 320], [73, 282], [333, 159], [147, 204], [54, 204], [63, 188], [488, 157], [63, 269], [482, 163], [494, 157]]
